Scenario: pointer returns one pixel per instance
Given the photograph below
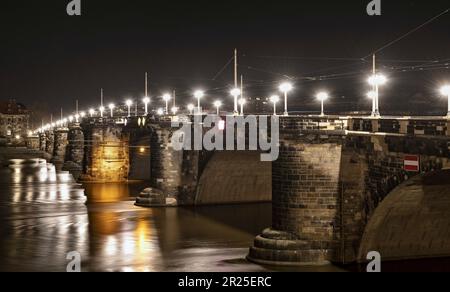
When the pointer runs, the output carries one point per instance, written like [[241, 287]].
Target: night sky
[[48, 59]]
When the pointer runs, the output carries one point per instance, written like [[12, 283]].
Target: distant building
[[14, 122]]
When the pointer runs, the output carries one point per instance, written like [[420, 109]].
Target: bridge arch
[[234, 177], [412, 221]]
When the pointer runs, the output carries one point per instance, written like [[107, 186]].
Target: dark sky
[[48, 59]]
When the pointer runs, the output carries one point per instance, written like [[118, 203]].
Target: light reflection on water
[[45, 215]]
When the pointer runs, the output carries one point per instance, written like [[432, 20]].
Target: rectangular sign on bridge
[[412, 163]]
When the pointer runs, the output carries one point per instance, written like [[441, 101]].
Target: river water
[[46, 215]]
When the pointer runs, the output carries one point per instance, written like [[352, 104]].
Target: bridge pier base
[[42, 142], [166, 168], [305, 201], [49, 144], [107, 159], [75, 151], [59, 151]]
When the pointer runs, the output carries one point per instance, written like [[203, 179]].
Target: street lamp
[[111, 108], [376, 81], [218, 104], [285, 88], [160, 112], [199, 94], [166, 98], [82, 115], [174, 110], [146, 101], [77, 118], [71, 119], [102, 110], [191, 108], [242, 102], [445, 90], [322, 96], [274, 99], [91, 112], [236, 92], [129, 103]]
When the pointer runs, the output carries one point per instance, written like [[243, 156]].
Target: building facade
[[14, 122]]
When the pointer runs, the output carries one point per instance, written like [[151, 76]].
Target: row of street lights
[[376, 80]]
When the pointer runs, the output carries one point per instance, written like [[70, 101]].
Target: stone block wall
[[107, 157]]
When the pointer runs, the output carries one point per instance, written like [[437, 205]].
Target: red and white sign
[[412, 163]]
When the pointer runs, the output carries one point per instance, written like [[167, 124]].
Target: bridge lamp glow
[[191, 108], [376, 81], [236, 92], [111, 107], [372, 94], [71, 119], [146, 101], [445, 90], [160, 111], [174, 110], [274, 99], [217, 105], [91, 112], [129, 103], [199, 94], [82, 115], [285, 88], [64, 122], [167, 97], [17, 137], [322, 96], [242, 102]]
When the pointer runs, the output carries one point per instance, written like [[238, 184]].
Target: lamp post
[[199, 94], [102, 110], [236, 92], [146, 101], [111, 108], [218, 104], [285, 88], [174, 110], [160, 112], [166, 98], [274, 99], [91, 112], [376, 81], [242, 102], [191, 108], [322, 96], [445, 90], [129, 103]]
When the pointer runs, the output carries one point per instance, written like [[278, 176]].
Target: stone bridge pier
[[49, 144], [60, 147], [329, 182], [106, 157], [75, 150], [174, 173]]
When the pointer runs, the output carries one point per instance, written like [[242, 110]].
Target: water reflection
[[45, 215]]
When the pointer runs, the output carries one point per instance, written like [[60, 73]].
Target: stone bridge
[[331, 176]]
